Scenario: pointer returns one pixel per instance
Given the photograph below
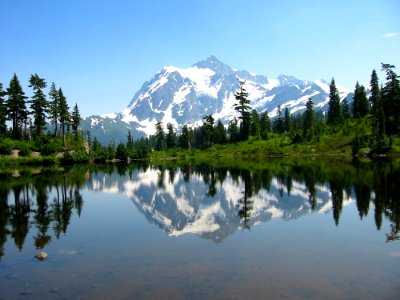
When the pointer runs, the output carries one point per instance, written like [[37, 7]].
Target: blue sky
[[101, 51]]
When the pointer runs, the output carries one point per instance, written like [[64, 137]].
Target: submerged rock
[[41, 255]]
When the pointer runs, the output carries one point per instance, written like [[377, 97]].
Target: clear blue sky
[[100, 52]]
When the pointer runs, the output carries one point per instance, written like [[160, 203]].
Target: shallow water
[[283, 231]]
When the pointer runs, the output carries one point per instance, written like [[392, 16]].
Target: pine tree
[[242, 106], [129, 144], [391, 99], [334, 110], [378, 125], [220, 133], [287, 120], [279, 126], [208, 131], [159, 137], [309, 121], [38, 104], [54, 107], [360, 102], [16, 107], [75, 120], [3, 116], [184, 139], [265, 125], [171, 139], [375, 97], [233, 131], [345, 107], [255, 128], [63, 113]]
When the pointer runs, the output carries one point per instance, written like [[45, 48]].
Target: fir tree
[[208, 131], [129, 144], [16, 107], [75, 119], [242, 106], [375, 97], [184, 139], [378, 123], [233, 131], [3, 116], [265, 125], [255, 128], [309, 121], [345, 107], [63, 113], [287, 120], [360, 102], [220, 133], [279, 126], [38, 104], [391, 99], [334, 110], [171, 139], [159, 137], [54, 107]]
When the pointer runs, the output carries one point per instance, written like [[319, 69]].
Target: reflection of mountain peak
[[180, 207]]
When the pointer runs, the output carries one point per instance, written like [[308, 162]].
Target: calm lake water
[[283, 229]]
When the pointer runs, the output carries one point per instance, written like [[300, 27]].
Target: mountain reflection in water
[[208, 200]]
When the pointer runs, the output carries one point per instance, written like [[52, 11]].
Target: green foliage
[[16, 107], [334, 110], [243, 107], [6, 145], [121, 152], [39, 104]]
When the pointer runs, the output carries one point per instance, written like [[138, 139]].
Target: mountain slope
[[184, 96]]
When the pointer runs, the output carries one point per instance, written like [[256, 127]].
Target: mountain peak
[[214, 64]]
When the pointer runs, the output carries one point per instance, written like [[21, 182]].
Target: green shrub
[[25, 150], [6, 146]]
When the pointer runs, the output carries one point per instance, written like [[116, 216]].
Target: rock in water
[[41, 255]]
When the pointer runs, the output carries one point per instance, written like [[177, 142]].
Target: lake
[[278, 229]]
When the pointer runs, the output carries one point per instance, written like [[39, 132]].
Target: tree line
[[26, 118], [380, 111]]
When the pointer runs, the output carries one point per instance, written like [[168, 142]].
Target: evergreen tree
[[378, 123], [16, 107], [63, 113], [54, 107], [375, 97], [309, 121], [75, 119], [171, 137], [233, 131], [38, 104], [3, 116], [220, 133], [345, 107], [255, 128], [159, 137], [208, 131], [121, 153], [242, 106], [360, 102], [391, 99], [287, 122], [334, 110], [279, 126], [184, 139], [265, 125], [129, 144]]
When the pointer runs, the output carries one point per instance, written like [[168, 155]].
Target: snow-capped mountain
[[185, 95]]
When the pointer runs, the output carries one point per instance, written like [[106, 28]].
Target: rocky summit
[[185, 95]]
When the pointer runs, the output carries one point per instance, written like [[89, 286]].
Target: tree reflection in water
[[45, 201]]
